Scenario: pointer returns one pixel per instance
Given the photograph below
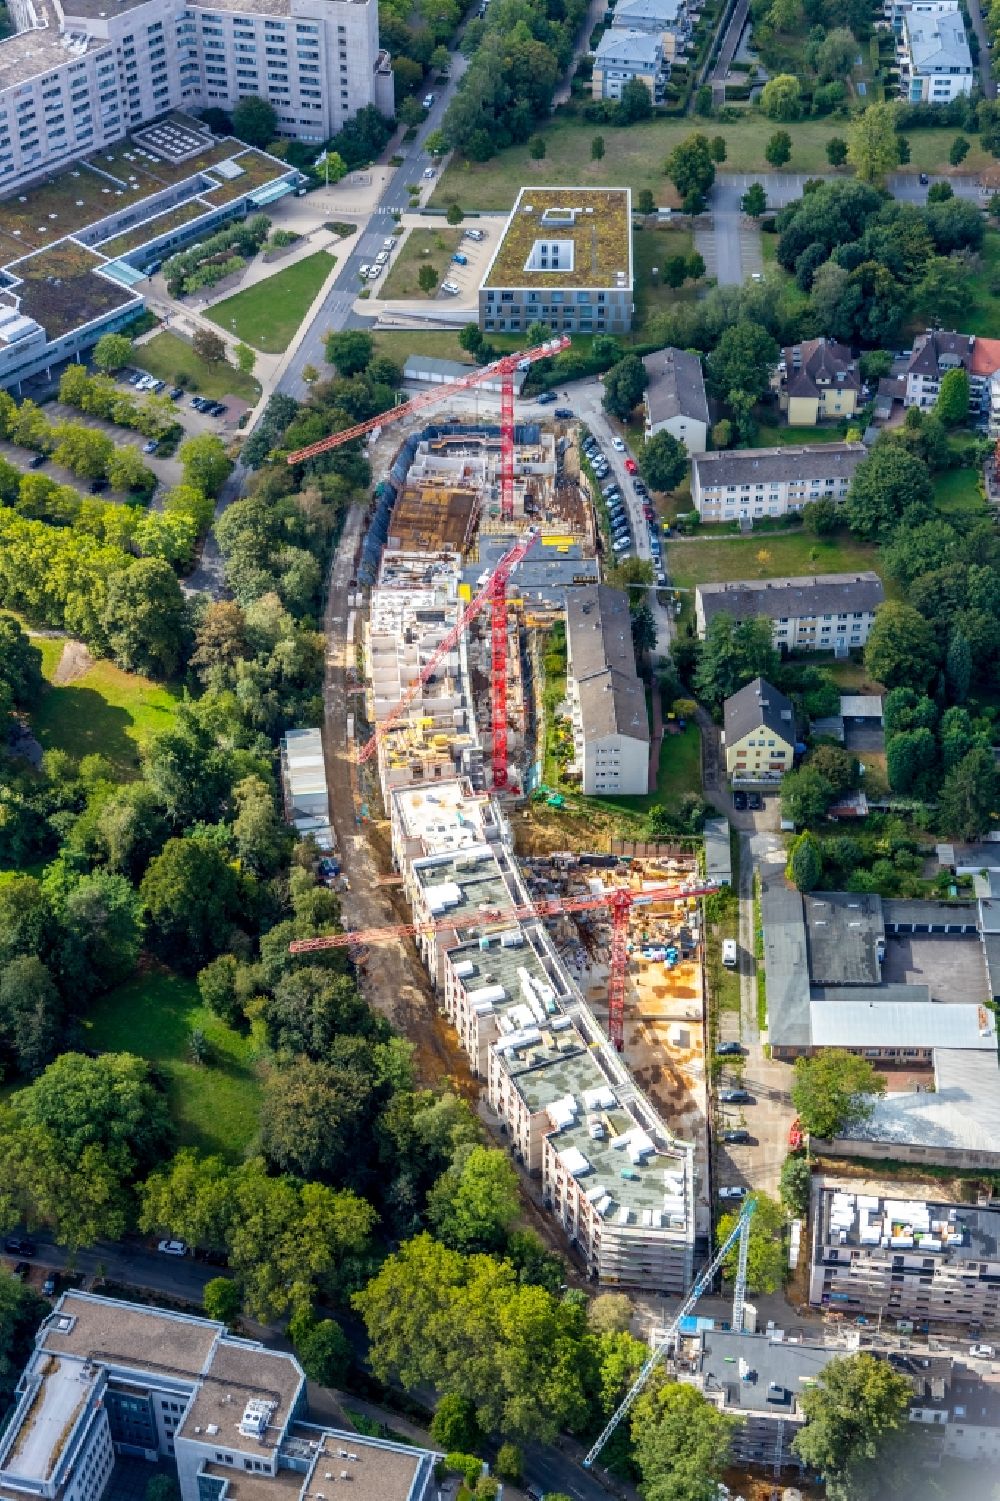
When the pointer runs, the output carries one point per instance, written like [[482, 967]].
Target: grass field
[[982, 315], [692, 561], [790, 437], [172, 359], [267, 315], [960, 490], [634, 157], [422, 247], [214, 1104], [679, 771], [650, 248], [105, 712]]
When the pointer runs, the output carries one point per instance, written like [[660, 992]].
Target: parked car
[[648, 512], [451, 288], [151, 446], [177, 393], [754, 802], [382, 257], [618, 445], [389, 244], [37, 460], [736, 1097], [475, 234], [740, 802], [661, 578], [622, 545], [729, 1049], [982, 1352], [460, 259], [49, 1285], [429, 172], [173, 1247], [631, 466], [159, 386], [734, 1191], [924, 179], [428, 101], [364, 272], [739, 1137], [374, 272], [564, 413], [16, 1245], [546, 398]]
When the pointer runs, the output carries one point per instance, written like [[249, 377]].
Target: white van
[[729, 952]]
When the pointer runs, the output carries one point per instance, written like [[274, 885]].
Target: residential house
[[744, 484], [667, 19], [624, 55], [759, 733], [607, 699], [817, 381], [674, 398], [827, 612], [935, 64]]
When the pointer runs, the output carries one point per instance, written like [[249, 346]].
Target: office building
[[564, 259], [758, 734], [607, 699], [745, 484], [79, 76], [935, 64], [674, 399], [817, 381], [622, 56], [828, 612], [110, 1379]]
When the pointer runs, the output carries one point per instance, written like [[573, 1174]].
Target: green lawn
[[635, 154], [170, 358], [679, 771], [692, 561], [982, 316], [960, 490], [214, 1104], [422, 247], [789, 437], [105, 712], [268, 314], [650, 248]]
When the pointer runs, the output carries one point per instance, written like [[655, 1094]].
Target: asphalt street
[[130, 1262], [986, 78]]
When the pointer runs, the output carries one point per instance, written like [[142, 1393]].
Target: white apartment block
[[828, 612], [935, 64], [621, 1184], [80, 75], [607, 699], [744, 484], [109, 1378]]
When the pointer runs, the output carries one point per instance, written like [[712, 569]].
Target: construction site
[[573, 984]]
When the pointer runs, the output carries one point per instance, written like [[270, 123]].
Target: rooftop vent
[[256, 1417]]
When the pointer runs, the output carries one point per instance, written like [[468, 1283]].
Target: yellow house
[[817, 381], [759, 734]]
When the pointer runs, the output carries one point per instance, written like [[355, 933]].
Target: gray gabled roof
[[791, 598], [938, 42], [759, 706], [751, 466], [633, 49], [602, 661], [676, 386], [631, 12], [937, 344]]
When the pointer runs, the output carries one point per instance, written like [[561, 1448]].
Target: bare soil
[[74, 663]]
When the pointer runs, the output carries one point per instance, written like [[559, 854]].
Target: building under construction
[[624, 1186]]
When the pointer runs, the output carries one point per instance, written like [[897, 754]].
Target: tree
[[454, 1426], [675, 270], [610, 1313], [958, 667], [952, 404], [324, 1350], [781, 99], [351, 351], [664, 461], [911, 762], [940, 192], [246, 358], [112, 351], [316, 1117], [30, 1014], [795, 1183], [536, 148], [508, 1463], [836, 764], [821, 517], [901, 649], [209, 346], [427, 279], [717, 146], [332, 166], [255, 121], [743, 360], [854, 1405], [805, 862], [474, 1203], [635, 103], [778, 150], [645, 203], [189, 893], [959, 151], [805, 796], [833, 1090], [873, 147], [836, 151], [145, 618], [692, 171], [969, 795], [455, 214], [624, 385], [597, 149], [754, 201], [695, 266], [310, 374], [222, 1300], [85, 450], [732, 655], [889, 482], [21, 1312], [681, 1443], [766, 1251], [128, 473], [205, 462]]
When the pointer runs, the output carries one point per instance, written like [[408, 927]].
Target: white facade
[[606, 698], [762, 482], [935, 64]]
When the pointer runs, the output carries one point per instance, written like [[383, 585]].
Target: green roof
[[591, 226]]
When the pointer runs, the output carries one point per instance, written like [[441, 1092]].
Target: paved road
[[129, 1262], [988, 82], [727, 51]]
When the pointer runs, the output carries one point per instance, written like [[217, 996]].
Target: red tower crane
[[619, 901], [493, 591]]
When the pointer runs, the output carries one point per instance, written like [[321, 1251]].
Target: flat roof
[[462, 884], [115, 1333], [845, 931], [238, 1371], [776, 1371], [379, 1469], [30, 53], [447, 817], [634, 1188], [949, 1232], [593, 224], [786, 965], [61, 288], [961, 1114], [718, 851], [872, 1023], [66, 1386]]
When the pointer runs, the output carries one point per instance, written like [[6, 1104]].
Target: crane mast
[[741, 1230]]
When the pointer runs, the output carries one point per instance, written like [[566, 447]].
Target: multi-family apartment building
[[606, 697], [932, 50], [817, 381], [667, 19], [674, 399], [749, 483], [109, 1378], [904, 1258], [623, 56], [759, 733], [936, 352], [619, 1181], [564, 259], [80, 75], [826, 612]]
